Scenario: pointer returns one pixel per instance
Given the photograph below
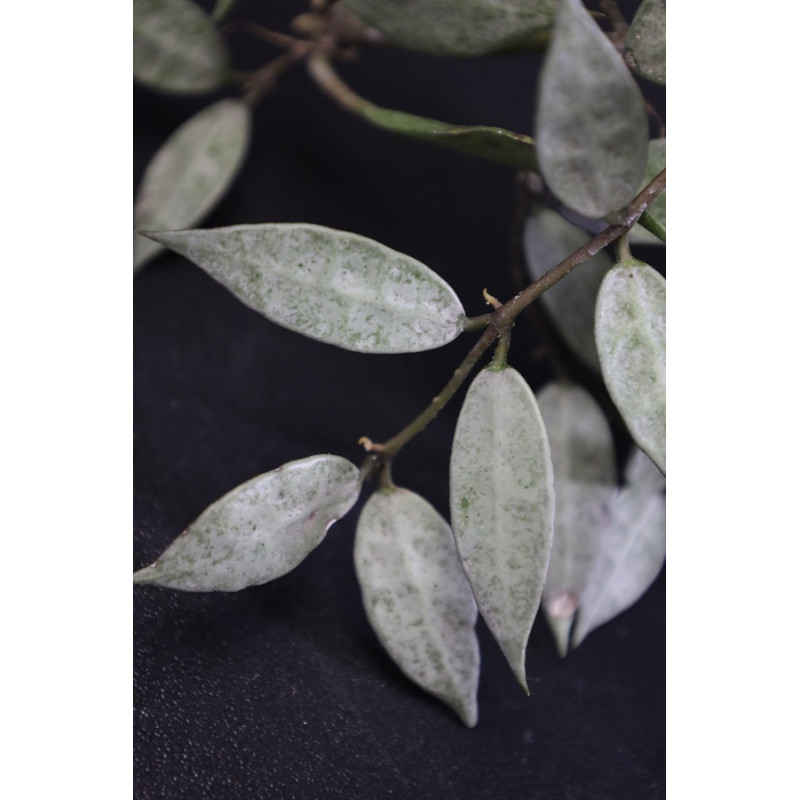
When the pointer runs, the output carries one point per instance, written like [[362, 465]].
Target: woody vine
[[537, 517]]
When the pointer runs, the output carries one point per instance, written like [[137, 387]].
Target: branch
[[503, 319]]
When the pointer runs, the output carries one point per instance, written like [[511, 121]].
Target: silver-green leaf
[[260, 530], [332, 286], [591, 123], [646, 41], [632, 551], [417, 598], [460, 27], [656, 161], [502, 505], [548, 240], [631, 334], [190, 173], [483, 141], [585, 479], [176, 47]]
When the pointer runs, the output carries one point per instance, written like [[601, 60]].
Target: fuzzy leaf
[[548, 240], [417, 598], [591, 123], [646, 40], [190, 173], [176, 47], [656, 161], [501, 505], [260, 530], [494, 144], [459, 27], [631, 333], [332, 286], [632, 553], [585, 479]]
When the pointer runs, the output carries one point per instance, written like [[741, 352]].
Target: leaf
[[417, 598], [585, 479], [332, 286], [176, 47], [459, 27], [631, 331], [643, 473], [548, 240], [501, 505], [656, 161], [647, 40], [260, 530], [494, 144], [591, 124], [632, 554], [190, 173]]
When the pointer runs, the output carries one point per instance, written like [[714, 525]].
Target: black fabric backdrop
[[283, 691]]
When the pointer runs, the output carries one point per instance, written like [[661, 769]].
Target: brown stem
[[503, 319]]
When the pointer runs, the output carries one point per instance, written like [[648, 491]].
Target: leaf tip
[[146, 574]]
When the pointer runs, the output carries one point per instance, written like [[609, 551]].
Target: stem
[[503, 319], [477, 323], [393, 446], [500, 358], [263, 80], [628, 217], [623, 248], [320, 69]]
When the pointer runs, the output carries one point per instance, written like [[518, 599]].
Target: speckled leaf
[[502, 505], [417, 598], [591, 124], [656, 161], [632, 553], [585, 479], [631, 333], [548, 240], [336, 287], [646, 40], [260, 530], [494, 144], [460, 27], [176, 47], [190, 173]]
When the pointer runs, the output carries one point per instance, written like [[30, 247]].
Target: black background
[[282, 691]]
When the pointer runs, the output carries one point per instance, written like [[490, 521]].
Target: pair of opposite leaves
[[353, 292], [590, 112]]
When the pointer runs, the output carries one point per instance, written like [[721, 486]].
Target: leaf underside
[[329, 285], [417, 598], [502, 505], [632, 551], [190, 173], [630, 329], [460, 27], [591, 126], [585, 479], [260, 530], [176, 47], [494, 144]]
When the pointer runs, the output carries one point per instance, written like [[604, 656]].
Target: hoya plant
[[541, 516]]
